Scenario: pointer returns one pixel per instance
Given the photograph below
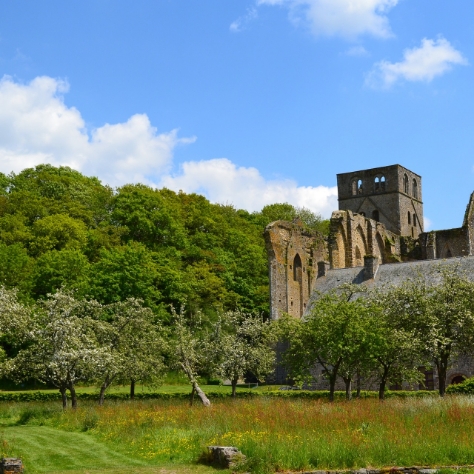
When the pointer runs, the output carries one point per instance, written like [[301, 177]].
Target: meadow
[[275, 434]]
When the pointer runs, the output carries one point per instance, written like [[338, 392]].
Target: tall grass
[[278, 434]]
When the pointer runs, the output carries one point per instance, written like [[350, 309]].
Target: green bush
[[465, 388], [296, 394]]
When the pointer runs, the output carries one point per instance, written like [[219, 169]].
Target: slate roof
[[391, 274]]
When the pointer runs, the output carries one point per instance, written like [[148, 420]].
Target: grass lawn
[[165, 436]]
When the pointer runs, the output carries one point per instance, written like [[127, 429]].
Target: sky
[[249, 102]]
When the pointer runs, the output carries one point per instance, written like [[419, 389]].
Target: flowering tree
[[242, 343], [61, 345], [133, 344]]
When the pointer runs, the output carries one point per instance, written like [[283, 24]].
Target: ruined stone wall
[[353, 236], [293, 253]]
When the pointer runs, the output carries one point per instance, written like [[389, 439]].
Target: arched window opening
[[377, 184], [449, 254], [414, 220], [457, 379], [405, 185], [297, 269], [409, 218], [375, 215], [354, 187], [415, 189], [382, 183], [359, 186]]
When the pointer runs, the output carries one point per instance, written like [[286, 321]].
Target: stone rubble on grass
[[11, 466], [225, 456], [389, 470]]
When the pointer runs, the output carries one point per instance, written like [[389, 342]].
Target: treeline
[[61, 229]]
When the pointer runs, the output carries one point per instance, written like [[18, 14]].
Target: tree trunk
[[332, 385], [358, 384], [205, 401], [383, 383], [72, 391], [103, 388], [189, 373], [442, 367], [348, 384], [234, 387], [132, 389], [62, 390]]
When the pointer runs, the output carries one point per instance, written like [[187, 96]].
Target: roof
[[391, 274]]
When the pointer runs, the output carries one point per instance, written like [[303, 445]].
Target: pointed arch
[[380, 248], [297, 269], [360, 246], [339, 254]]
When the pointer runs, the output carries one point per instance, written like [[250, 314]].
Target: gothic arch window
[[375, 215], [415, 189], [297, 269], [379, 183], [359, 186], [354, 187], [414, 220], [406, 185], [409, 218]]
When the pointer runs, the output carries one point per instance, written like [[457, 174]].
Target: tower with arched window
[[391, 195]]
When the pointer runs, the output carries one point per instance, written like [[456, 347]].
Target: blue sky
[[247, 101]]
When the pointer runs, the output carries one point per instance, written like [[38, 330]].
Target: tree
[[448, 325], [242, 343], [333, 334], [188, 351], [61, 346], [133, 344]]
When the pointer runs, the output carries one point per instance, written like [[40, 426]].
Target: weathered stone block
[[10, 465], [225, 456]]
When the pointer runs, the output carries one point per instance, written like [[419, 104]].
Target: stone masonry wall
[[293, 254]]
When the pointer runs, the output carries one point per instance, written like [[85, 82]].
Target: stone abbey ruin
[[376, 238]]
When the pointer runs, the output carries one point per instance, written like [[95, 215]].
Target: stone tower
[[391, 195]]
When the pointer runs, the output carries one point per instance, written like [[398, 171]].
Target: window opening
[[414, 220], [405, 184], [297, 269], [415, 189], [409, 218], [382, 183], [359, 186], [377, 184], [354, 187]]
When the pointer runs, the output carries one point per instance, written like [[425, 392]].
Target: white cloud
[[427, 224], [36, 126], [433, 58], [357, 51], [347, 18], [222, 181], [243, 21]]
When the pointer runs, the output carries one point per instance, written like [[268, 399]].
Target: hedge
[[296, 394], [465, 388]]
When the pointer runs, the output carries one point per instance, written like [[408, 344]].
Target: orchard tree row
[[62, 341], [59, 228], [387, 335]]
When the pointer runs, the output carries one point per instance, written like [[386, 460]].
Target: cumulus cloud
[[36, 126], [347, 18], [433, 58], [243, 21], [222, 181]]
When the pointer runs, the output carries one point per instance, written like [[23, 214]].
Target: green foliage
[[163, 247], [465, 388]]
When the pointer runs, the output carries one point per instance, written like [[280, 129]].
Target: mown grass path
[[45, 449]]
